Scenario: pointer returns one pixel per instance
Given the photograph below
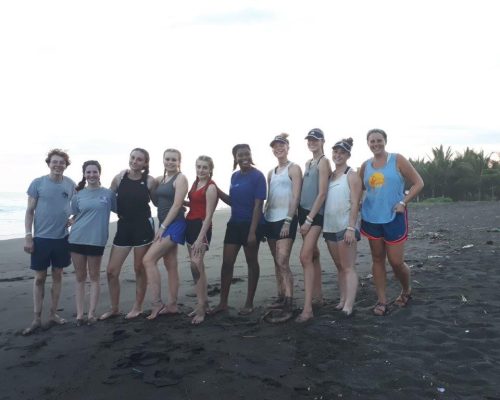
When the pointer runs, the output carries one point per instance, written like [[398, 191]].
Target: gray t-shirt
[[53, 206], [92, 208]]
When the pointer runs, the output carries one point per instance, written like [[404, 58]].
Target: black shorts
[[134, 233], [193, 230], [86, 249], [273, 229], [50, 252], [303, 213], [237, 233]]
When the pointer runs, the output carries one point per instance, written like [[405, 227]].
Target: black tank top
[[133, 199]]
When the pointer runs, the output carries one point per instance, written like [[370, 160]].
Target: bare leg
[[156, 251], [171, 264], [141, 282], [116, 259], [201, 286], [229, 255], [57, 274], [378, 250], [251, 255], [80, 264], [38, 295], [279, 278], [395, 255], [317, 285], [307, 258], [94, 265], [283, 249], [333, 248]]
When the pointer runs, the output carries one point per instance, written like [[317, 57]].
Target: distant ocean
[[13, 209]]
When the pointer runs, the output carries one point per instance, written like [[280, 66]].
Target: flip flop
[[380, 309], [403, 299]]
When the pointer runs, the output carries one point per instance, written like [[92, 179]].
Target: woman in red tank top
[[202, 202]]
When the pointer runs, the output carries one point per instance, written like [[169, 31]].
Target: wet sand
[[444, 345]]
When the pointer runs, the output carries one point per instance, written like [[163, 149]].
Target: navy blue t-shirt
[[245, 188]]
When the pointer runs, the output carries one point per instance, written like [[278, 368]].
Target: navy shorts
[[339, 236], [303, 213], [273, 229], [392, 232], [134, 233], [237, 233], [86, 249], [193, 230], [176, 230], [50, 252]]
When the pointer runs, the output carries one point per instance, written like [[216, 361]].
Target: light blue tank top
[[310, 187], [384, 189]]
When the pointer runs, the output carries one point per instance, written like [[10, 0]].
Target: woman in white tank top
[[340, 227], [284, 182]]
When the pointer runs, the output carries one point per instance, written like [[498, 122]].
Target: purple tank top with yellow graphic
[[384, 189]]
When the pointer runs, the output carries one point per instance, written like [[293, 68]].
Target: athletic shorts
[[176, 231], [134, 233], [193, 230], [339, 236], [392, 232], [303, 213], [50, 252], [237, 233], [86, 249], [273, 229]]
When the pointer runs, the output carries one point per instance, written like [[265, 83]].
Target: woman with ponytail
[[169, 196], [91, 207], [135, 229]]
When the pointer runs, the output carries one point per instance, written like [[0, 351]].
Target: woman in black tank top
[[135, 229]]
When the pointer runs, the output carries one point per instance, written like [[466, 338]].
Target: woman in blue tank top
[[384, 217]]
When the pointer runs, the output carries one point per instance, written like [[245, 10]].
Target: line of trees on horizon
[[469, 175]]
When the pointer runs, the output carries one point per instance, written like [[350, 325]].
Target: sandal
[[380, 309], [403, 299]]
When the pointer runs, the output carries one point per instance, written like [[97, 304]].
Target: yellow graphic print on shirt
[[376, 180]]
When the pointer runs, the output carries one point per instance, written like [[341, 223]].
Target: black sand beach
[[444, 345]]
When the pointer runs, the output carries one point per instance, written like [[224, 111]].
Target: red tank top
[[198, 202]]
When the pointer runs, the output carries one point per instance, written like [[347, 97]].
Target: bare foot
[[56, 320], [219, 308], [170, 309], [80, 322], [339, 306], [91, 320], [109, 314], [318, 302], [245, 311], [199, 315], [133, 314], [155, 311], [35, 325], [304, 317]]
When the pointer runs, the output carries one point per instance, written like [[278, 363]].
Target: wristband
[[350, 228], [286, 222], [28, 234], [163, 226], [309, 219], [288, 219], [402, 203]]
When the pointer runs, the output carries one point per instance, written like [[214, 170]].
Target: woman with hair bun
[[91, 207], [340, 227], [135, 229]]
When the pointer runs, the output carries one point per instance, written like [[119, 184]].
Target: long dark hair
[[81, 184]]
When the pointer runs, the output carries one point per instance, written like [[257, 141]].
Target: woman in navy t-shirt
[[246, 197]]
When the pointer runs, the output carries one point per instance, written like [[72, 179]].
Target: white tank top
[[337, 205], [280, 195]]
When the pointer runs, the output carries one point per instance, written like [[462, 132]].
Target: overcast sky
[[99, 78]]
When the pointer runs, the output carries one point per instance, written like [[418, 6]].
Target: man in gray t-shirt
[[48, 211]]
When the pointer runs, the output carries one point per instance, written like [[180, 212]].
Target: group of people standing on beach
[[68, 223]]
